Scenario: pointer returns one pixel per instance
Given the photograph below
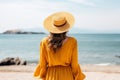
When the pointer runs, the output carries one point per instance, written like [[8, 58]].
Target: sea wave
[[103, 64]]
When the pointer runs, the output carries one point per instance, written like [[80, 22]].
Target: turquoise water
[[93, 48]]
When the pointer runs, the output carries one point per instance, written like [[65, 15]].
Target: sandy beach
[[92, 72]]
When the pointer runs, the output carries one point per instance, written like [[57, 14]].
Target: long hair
[[55, 41]]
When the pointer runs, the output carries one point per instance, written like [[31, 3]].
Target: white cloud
[[31, 15], [26, 15], [85, 2], [99, 22]]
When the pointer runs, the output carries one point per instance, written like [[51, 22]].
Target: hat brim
[[48, 23]]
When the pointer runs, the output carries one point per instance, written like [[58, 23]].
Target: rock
[[117, 56], [12, 61], [23, 62], [17, 61]]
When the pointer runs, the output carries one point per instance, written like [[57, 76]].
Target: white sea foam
[[103, 64]]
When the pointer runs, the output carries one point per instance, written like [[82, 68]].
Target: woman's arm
[[77, 73], [40, 71]]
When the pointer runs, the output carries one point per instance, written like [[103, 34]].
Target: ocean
[[98, 49]]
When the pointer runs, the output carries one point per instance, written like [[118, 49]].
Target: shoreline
[[85, 68], [92, 72]]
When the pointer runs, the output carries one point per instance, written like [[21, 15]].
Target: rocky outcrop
[[21, 32], [11, 31], [12, 61]]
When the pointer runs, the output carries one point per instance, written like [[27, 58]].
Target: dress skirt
[[59, 73]]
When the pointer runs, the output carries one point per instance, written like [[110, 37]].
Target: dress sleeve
[[40, 71], [76, 70]]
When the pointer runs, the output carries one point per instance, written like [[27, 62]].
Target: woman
[[58, 52]]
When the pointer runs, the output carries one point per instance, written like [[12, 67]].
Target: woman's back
[[60, 65], [63, 55]]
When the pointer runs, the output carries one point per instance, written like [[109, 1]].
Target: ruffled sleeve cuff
[[78, 75], [40, 72]]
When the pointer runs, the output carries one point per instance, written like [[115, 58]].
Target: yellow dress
[[62, 65]]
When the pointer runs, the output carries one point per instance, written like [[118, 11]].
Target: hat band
[[60, 25]]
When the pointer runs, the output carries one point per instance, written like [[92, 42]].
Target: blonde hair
[[55, 41]]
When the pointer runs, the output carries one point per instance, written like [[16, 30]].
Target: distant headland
[[20, 32]]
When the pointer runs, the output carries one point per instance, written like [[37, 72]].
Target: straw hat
[[59, 22]]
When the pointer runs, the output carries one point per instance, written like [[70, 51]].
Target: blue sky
[[91, 16]]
